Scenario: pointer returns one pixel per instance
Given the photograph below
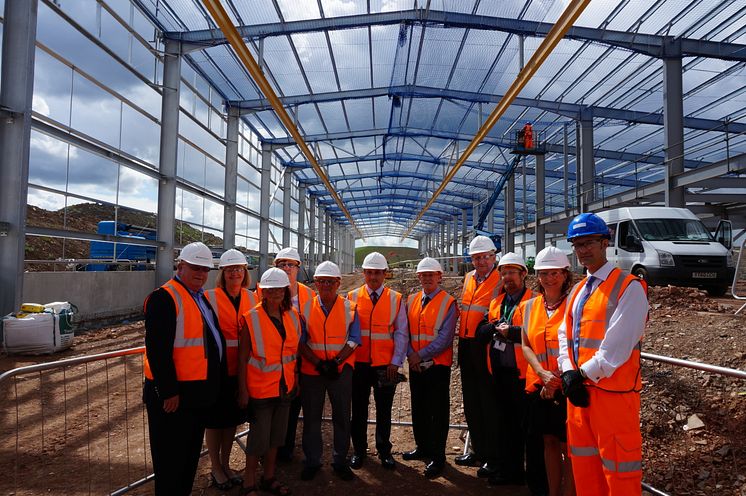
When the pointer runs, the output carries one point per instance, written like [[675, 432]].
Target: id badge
[[499, 345]]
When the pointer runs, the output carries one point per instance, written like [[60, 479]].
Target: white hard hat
[[481, 244], [375, 260], [511, 258], [274, 278], [428, 264], [327, 269], [551, 257], [196, 254], [232, 257], [288, 254]]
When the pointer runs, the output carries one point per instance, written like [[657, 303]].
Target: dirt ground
[[81, 429]]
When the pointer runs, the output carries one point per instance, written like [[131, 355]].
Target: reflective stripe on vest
[[609, 465], [475, 301], [189, 352], [328, 334], [376, 325], [516, 320], [229, 320], [425, 324], [540, 331], [597, 314], [271, 357]]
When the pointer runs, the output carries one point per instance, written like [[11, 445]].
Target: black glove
[[328, 369], [574, 389], [485, 332]]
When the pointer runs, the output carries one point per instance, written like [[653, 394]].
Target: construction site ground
[[693, 423]]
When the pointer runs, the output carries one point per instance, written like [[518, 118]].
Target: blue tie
[[578, 314]]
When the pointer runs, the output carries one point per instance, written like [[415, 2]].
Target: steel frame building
[[146, 105]]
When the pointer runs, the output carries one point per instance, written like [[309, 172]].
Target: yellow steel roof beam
[[225, 24], [558, 31]]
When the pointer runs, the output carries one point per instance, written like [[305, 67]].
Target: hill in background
[[393, 254]]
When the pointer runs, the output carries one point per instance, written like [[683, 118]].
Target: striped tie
[[578, 313]]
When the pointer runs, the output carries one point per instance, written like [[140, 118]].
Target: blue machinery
[[105, 250]]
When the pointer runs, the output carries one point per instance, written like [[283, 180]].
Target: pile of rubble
[[672, 298]]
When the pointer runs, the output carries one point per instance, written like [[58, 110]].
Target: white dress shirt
[[625, 330]]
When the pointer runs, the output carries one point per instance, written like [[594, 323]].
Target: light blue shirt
[[445, 334]]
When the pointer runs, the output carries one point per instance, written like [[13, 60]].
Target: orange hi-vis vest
[[376, 325], [425, 323], [271, 357], [475, 301], [595, 319], [305, 297], [229, 320], [328, 334], [540, 331], [190, 347], [494, 315]]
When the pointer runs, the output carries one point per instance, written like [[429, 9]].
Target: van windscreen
[[673, 230]]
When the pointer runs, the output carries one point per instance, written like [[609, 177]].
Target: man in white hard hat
[[383, 323], [481, 286], [432, 317], [184, 366], [288, 259], [327, 346], [501, 331]]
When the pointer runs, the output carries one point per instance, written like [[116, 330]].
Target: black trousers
[[175, 444], [286, 450], [431, 405], [364, 378], [480, 403], [509, 419]]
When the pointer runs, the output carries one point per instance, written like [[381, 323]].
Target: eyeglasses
[[480, 257], [549, 273], [233, 269], [509, 272], [197, 268], [325, 282], [585, 245], [282, 265]]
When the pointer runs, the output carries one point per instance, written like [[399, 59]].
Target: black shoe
[[467, 460], [343, 471], [357, 461], [505, 480], [434, 469], [308, 473], [415, 454], [284, 455], [388, 462], [486, 470]]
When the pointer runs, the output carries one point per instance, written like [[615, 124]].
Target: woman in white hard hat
[[268, 347], [230, 300], [547, 408]]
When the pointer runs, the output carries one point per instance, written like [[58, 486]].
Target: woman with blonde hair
[[268, 348], [547, 407], [230, 299]]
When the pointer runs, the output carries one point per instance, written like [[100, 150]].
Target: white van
[[670, 246]]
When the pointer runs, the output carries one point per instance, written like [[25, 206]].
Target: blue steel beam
[[403, 200], [649, 44], [571, 110], [621, 156], [314, 181], [403, 157], [468, 195]]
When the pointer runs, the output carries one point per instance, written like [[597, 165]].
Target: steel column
[[264, 208], [587, 164], [302, 193], [540, 237], [465, 227], [311, 233], [327, 236], [673, 129], [231, 180], [19, 38], [286, 200], [565, 170], [508, 244], [166, 222]]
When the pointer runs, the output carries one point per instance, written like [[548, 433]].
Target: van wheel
[[641, 273], [716, 290]]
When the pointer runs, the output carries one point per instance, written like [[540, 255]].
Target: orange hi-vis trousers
[[605, 444]]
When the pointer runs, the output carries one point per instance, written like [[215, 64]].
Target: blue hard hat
[[587, 225]]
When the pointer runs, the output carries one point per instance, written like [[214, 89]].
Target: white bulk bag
[[37, 333]]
